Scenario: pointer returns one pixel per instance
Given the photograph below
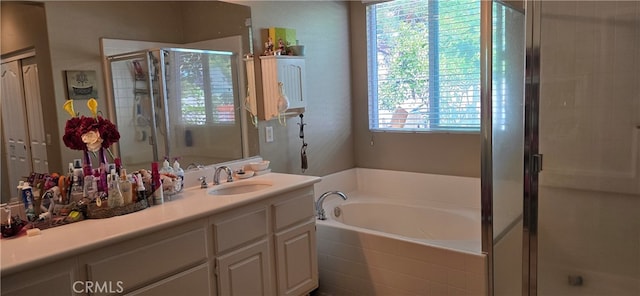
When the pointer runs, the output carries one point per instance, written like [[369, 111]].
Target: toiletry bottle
[[27, 198], [166, 167], [115, 197], [19, 187], [118, 164], [77, 168], [156, 185], [27, 195], [77, 192], [36, 198], [141, 191], [180, 173], [90, 186], [125, 187]]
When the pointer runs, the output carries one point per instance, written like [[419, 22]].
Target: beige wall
[[322, 27], [75, 29], [336, 115], [437, 153], [66, 36]]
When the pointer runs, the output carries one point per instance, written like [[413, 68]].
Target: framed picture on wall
[[81, 84]]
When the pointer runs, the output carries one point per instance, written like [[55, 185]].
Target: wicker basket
[[95, 212]]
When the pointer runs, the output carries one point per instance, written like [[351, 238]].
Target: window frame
[[210, 112], [374, 123]]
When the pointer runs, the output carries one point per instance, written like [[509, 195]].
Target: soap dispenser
[[166, 167], [180, 173]]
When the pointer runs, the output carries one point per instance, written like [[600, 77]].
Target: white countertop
[[22, 252]]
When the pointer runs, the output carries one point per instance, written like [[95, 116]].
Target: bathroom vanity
[[255, 243]]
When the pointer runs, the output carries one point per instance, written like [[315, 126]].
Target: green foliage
[[402, 52]]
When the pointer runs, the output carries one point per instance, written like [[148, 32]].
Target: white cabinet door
[[296, 260], [284, 74], [245, 271]]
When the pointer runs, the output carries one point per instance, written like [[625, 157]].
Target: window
[[206, 88], [424, 65]]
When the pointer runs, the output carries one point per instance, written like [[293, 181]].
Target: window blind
[[206, 88], [424, 65]]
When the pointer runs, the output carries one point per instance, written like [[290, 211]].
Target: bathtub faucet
[[320, 209]]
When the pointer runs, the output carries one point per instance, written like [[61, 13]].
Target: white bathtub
[[406, 221], [400, 233]]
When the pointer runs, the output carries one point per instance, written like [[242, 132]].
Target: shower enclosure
[[589, 123], [561, 172], [174, 102]]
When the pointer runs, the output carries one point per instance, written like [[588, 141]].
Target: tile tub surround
[[355, 261], [358, 263]]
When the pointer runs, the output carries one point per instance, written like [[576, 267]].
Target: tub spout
[[320, 209]]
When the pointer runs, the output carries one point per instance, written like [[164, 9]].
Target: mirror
[[66, 36], [177, 103]]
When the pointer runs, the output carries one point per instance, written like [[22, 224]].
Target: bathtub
[[400, 233]]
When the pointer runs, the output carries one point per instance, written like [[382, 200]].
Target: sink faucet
[[194, 165], [319, 209], [216, 175]]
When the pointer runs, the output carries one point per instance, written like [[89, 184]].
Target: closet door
[[34, 114], [14, 123]]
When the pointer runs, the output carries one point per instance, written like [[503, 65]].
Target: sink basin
[[240, 187]]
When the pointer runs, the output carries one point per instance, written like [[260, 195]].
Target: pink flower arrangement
[[88, 133]]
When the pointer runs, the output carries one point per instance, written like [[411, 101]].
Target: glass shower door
[[589, 126], [133, 108], [507, 113]]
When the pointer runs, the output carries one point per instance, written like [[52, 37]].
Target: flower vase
[[87, 169], [102, 183]]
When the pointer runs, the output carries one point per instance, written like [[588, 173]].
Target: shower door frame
[[532, 158], [145, 55], [532, 161]]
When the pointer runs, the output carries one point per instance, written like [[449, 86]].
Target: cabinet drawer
[[138, 264], [245, 227], [195, 281], [292, 211]]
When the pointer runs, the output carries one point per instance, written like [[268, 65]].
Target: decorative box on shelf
[[288, 70]]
